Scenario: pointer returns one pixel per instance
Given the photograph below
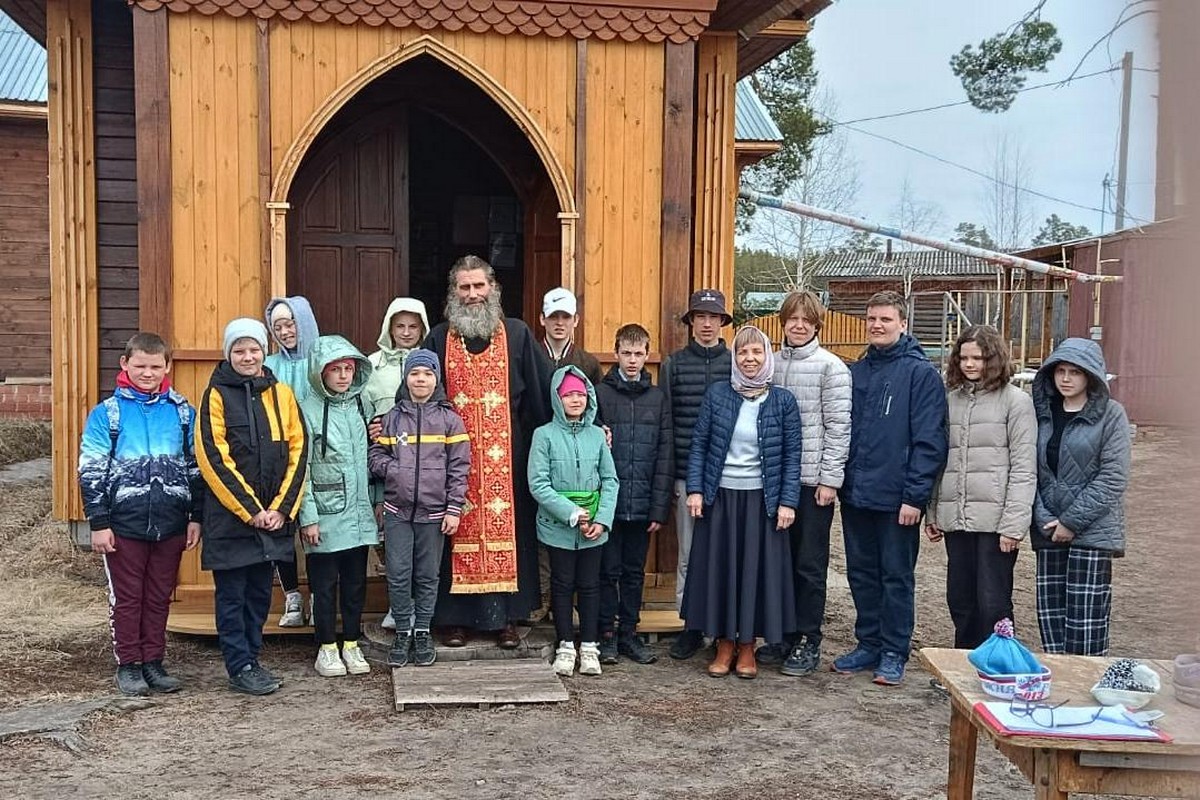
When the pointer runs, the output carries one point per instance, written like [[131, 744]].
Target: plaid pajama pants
[[1074, 598]]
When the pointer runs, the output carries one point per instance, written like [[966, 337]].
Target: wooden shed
[[24, 225], [208, 154]]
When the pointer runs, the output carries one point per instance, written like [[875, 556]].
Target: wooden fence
[[842, 334]]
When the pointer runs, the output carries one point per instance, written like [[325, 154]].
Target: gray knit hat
[[244, 328]]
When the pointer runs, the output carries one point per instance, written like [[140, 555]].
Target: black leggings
[[338, 575], [575, 572]]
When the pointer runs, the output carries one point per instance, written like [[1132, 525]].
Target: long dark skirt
[[739, 582]]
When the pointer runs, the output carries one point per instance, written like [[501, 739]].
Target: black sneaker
[[608, 649], [157, 678], [130, 680], [424, 652], [686, 645], [267, 674], [401, 652], [803, 660], [633, 648], [252, 680], [771, 655]]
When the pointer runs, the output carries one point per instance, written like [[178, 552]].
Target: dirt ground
[[665, 730]]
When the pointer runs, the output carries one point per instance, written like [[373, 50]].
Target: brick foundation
[[28, 398]]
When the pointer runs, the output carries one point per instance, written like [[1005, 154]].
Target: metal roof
[[22, 65], [921, 262], [751, 120]]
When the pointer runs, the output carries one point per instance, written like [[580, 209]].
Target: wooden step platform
[[482, 684]]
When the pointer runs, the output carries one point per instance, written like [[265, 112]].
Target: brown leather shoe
[[455, 637], [746, 667], [721, 665], [508, 639]]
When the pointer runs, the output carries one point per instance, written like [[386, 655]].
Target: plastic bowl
[[1031, 687], [1121, 697]]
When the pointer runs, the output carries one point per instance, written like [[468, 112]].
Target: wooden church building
[[206, 155]]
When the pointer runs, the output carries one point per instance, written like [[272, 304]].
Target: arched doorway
[[418, 169]]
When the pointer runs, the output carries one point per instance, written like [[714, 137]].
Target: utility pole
[[1123, 163]]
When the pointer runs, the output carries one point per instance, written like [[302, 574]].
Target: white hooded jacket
[[388, 360]]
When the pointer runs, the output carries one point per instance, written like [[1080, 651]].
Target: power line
[[971, 170], [940, 106]]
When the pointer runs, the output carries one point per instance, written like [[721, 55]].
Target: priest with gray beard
[[498, 380]]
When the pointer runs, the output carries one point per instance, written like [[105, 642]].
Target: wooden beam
[[24, 110], [715, 171], [679, 115], [152, 115], [264, 145], [74, 334], [770, 17], [787, 28], [576, 281]]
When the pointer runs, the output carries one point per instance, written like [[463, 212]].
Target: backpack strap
[[185, 424], [112, 409]]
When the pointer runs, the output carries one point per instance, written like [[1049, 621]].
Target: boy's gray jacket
[[1088, 492], [820, 382], [337, 492], [571, 457], [991, 472]]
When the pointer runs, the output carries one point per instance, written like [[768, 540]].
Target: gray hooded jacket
[[1087, 494]]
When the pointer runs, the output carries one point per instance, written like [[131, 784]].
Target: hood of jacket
[[333, 348], [226, 375], [388, 352], [306, 326], [560, 416], [1085, 354], [906, 346]]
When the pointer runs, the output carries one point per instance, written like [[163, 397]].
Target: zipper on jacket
[[578, 474], [412, 515]]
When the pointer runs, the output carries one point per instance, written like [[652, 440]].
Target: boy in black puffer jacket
[[639, 415]]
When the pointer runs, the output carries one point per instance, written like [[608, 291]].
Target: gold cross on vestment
[[491, 401], [495, 452], [498, 506]]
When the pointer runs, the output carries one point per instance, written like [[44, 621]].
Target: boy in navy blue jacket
[[142, 494], [898, 447], [639, 415]]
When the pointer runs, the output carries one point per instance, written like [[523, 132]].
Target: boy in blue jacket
[[142, 494]]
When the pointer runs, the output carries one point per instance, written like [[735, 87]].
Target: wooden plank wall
[[116, 185], [623, 223], [24, 249], [842, 334], [716, 176], [74, 339]]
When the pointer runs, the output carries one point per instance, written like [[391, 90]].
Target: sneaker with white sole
[[589, 659], [564, 659], [293, 611], [353, 658], [388, 623], [329, 663]]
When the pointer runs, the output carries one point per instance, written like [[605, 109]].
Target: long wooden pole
[[766, 201]]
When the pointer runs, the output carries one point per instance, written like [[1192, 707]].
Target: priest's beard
[[479, 321]]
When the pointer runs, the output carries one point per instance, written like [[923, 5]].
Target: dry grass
[[53, 607], [23, 440]]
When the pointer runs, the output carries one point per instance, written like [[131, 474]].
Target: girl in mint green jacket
[[574, 481]]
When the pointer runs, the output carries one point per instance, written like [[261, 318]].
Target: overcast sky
[[883, 56]]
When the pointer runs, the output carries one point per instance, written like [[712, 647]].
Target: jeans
[[575, 572], [810, 559], [622, 575], [979, 584], [243, 599], [333, 576], [881, 560], [141, 577], [414, 560]]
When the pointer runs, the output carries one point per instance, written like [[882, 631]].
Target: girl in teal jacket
[[574, 481], [337, 522]]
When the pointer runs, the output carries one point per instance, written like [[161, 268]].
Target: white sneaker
[[293, 611], [329, 663], [389, 622], [589, 659], [356, 662], [564, 659]]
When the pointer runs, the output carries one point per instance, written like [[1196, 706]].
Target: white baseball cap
[[559, 299]]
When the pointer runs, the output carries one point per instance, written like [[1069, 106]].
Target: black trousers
[[979, 584], [810, 559], [242, 598], [333, 576], [575, 572], [622, 576]]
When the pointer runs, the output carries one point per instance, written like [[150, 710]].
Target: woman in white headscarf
[[743, 483]]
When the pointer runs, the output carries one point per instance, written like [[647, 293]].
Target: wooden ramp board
[[477, 683]]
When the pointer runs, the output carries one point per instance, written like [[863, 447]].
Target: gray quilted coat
[[1088, 492], [820, 382], [991, 472]]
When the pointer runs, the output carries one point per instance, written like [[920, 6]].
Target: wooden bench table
[[1057, 766]]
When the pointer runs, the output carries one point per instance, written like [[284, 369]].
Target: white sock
[[565, 645]]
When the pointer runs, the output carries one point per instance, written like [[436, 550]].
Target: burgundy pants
[[141, 578]]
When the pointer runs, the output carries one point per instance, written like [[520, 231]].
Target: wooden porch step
[[477, 683]]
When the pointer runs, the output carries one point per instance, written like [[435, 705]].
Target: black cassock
[[529, 404]]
